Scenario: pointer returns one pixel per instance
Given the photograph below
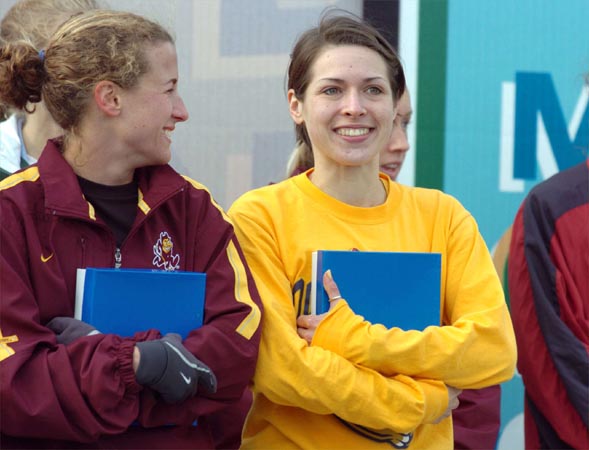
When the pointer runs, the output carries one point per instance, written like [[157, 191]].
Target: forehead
[[346, 61], [163, 61], [404, 106]]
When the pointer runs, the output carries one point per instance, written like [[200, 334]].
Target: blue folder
[[396, 289], [124, 301]]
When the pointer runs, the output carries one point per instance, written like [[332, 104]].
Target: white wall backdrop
[[233, 56]]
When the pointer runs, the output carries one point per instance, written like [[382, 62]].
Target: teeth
[[168, 133], [352, 131]]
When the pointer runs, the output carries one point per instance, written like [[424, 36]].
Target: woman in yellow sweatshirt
[[336, 381]]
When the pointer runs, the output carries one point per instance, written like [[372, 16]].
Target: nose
[[179, 111], [353, 104], [399, 141]]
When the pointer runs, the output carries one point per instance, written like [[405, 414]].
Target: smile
[[352, 131]]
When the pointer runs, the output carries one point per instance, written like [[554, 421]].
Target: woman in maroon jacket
[[102, 196]]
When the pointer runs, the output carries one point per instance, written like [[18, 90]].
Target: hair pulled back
[[34, 21], [88, 48]]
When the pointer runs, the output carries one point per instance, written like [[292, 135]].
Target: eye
[[330, 91], [402, 122], [374, 90]]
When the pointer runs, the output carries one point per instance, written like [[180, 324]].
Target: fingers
[[175, 337], [311, 321], [305, 334], [306, 327], [166, 366], [331, 288], [206, 378], [444, 416], [58, 324], [453, 394], [453, 403], [68, 329]]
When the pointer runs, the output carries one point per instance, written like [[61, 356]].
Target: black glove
[[68, 329], [166, 366]]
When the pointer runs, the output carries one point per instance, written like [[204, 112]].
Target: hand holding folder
[[396, 289], [125, 301]]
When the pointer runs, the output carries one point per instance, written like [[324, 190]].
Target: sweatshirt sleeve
[[78, 391], [291, 373], [475, 317]]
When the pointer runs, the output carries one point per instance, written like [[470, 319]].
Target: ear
[[107, 97], [295, 107]]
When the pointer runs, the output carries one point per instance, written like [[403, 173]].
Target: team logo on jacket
[[5, 350], [164, 253]]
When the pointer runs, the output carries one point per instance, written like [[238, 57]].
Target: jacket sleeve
[[229, 339], [291, 373], [77, 392], [476, 322], [548, 294], [477, 419]]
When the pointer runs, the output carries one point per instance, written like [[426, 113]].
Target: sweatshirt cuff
[[331, 332], [125, 363], [435, 395]]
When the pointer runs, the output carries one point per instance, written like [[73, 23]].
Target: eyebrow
[[339, 80]]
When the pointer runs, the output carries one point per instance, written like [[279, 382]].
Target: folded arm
[[476, 318], [292, 373]]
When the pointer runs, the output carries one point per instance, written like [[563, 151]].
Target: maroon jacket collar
[[62, 190]]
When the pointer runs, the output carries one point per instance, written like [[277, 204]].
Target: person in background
[[102, 196], [25, 132], [334, 380], [477, 419], [548, 277]]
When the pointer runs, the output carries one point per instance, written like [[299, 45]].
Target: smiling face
[[393, 155], [152, 108], [347, 106]]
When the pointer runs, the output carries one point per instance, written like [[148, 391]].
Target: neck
[[38, 127], [356, 186], [90, 159]]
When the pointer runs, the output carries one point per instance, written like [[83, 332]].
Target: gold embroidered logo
[[45, 259], [5, 350]]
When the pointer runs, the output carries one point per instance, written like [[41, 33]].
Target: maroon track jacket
[[85, 394]]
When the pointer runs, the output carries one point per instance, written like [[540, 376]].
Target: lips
[[392, 169], [352, 132], [168, 133]]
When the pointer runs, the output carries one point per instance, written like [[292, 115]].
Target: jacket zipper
[[118, 258], [83, 248]]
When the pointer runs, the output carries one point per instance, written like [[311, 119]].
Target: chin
[[165, 158], [392, 175]]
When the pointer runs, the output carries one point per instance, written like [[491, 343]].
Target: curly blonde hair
[[34, 21], [88, 48]]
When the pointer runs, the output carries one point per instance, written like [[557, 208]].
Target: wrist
[[152, 361], [136, 358]]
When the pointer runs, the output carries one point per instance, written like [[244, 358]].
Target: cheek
[[387, 112]]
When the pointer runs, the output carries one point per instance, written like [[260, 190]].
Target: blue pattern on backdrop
[[515, 72], [490, 43]]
